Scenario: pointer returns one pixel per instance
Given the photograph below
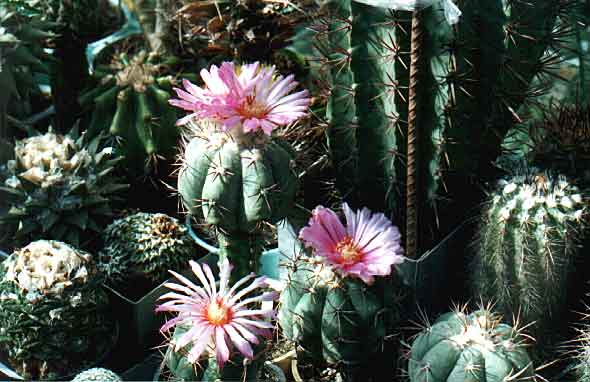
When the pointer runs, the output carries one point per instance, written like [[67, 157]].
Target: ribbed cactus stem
[[243, 251]]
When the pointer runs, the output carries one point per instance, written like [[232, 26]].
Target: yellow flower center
[[218, 314], [252, 109], [349, 253]]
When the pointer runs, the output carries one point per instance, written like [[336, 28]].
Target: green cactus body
[[97, 374], [581, 351], [131, 103], [475, 347], [145, 246], [59, 187], [528, 245], [207, 369], [235, 183], [339, 321], [54, 314], [472, 79]]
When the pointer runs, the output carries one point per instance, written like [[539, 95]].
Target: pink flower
[[217, 317], [368, 246], [252, 96]]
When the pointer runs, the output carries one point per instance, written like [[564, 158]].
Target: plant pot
[[139, 322]]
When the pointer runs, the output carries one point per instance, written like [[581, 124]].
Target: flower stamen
[[217, 314], [349, 253]]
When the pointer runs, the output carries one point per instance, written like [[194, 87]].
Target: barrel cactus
[[471, 79], [59, 187], [211, 321], [338, 306], [527, 248], [54, 314], [97, 374], [131, 103], [144, 246], [235, 175], [470, 347]]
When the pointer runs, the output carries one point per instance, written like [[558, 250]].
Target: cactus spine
[[474, 347], [471, 85], [97, 374], [339, 321], [528, 244]]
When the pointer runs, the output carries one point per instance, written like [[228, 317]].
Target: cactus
[[471, 84], [131, 103], [340, 321], [144, 246], [235, 182], [58, 187], [207, 370], [470, 347], [527, 249], [97, 374], [580, 351], [54, 314]]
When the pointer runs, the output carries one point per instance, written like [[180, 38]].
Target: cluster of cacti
[[340, 321], [131, 103], [54, 315], [527, 248], [59, 187], [144, 246], [476, 347], [97, 374], [245, 30], [235, 181], [471, 79]]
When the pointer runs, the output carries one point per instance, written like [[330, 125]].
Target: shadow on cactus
[[341, 306], [54, 314], [59, 187], [478, 347], [527, 249]]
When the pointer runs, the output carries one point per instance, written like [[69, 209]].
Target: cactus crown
[[145, 245], [59, 187], [97, 374], [138, 72]]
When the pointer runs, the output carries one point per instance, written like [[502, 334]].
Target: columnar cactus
[[474, 347], [131, 103], [580, 349], [144, 246], [59, 188], [473, 78], [335, 306], [235, 175], [528, 244], [54, 314], [97, 374]]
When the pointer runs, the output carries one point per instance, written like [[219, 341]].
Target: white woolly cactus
[[53, 312], [528, 243], [59, 187], [145, 245], [97, 374]]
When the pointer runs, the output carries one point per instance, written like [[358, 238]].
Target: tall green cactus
[[338, 321], [473, 77], [527, 250]]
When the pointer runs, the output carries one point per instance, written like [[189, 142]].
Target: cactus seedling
[[54, 314], [97, 374], [338, 306], [145, 246], [213, 319], [473, 347], [60, 188], [527, 247], [234, 174]]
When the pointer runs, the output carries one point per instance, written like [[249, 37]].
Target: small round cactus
[[97, 374], [145, 245], [54, 314], [528, 244], [474, 347], [58, 187]]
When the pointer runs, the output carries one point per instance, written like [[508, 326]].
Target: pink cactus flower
[[217, 317], [368, 246], [252, 96]]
